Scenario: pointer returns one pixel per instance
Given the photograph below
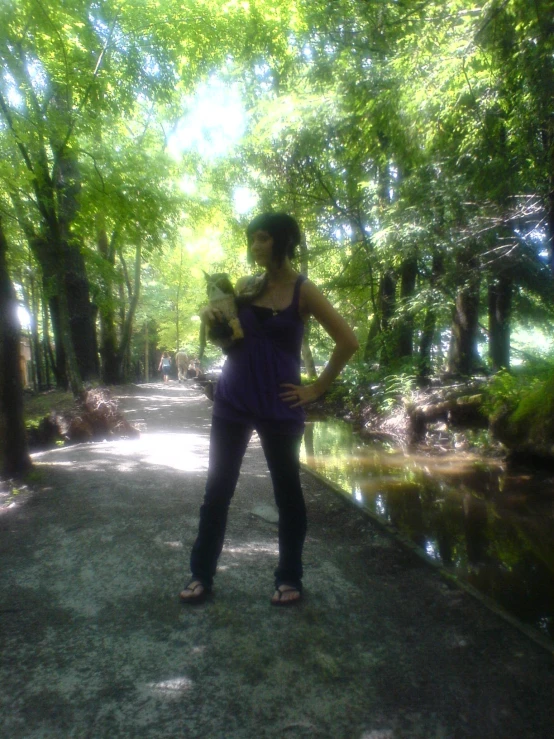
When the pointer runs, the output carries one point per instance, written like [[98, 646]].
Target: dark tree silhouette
[[14, 456]]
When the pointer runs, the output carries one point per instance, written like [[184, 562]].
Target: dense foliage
[[414, 141]]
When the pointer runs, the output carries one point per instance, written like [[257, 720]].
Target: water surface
[[492, 528]]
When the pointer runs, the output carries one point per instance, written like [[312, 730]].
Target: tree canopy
[[413, 140]]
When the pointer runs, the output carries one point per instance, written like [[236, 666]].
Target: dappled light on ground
[[183, 452], [99, 644], [171, 688], [252, 547], [186, 452]]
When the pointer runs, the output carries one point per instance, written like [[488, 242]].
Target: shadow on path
[[96, 644]]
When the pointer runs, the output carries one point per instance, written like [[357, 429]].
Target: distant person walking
[[165, 366], [260, 389], [182, 362]]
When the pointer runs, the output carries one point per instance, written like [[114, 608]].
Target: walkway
[[96, 644]]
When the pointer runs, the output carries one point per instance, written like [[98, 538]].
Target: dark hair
[[283, 229]]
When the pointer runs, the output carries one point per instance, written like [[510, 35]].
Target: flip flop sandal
[[197, 597], [282, 589]]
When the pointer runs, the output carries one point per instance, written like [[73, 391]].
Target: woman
[[260, 389], [165, 366]]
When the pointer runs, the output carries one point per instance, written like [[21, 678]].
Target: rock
[[268, 513]]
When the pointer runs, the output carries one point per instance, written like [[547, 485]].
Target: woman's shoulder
[[310, 297], [308, 288]]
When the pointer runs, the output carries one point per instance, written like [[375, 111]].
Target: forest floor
[[96, 643]]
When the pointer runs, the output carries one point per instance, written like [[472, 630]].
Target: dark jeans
[[228, 442]]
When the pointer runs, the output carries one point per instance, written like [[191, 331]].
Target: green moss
[[34, 475], [36, 407], [534, 414]]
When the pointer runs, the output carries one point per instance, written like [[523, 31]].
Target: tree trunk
[[550, 202], [66, 333], [177, 302], [463, 356], [408, 276], [80, 313], [430, 320], [371, 352], [64, 306], [546, 119], [46, 347], [38, 364], [387, 299], [30, 304], [110, 372], [14, 456], [307, 355], [58, 363], [146, 353], [55, 247], [126, 366], [74, 291], [134, 294], [63, 267], [500, 303], [376, 347]]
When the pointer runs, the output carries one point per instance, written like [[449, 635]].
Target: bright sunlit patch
[[7, 507], [213, 124], [24, 317], [188, 185], [185, 452], [358, 494], [126, 467], [380, 505], [252, 548], [51, 464], [244, 200], [430, 550], [171, 687], [531, 340], [14, 97]]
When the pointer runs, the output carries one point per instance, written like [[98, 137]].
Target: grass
[[42, 404]]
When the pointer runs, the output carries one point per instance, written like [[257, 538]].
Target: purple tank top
[[249, 386]]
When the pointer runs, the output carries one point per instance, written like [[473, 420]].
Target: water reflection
[[493, 529]]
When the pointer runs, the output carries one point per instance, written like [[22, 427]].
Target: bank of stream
[[491, 527]]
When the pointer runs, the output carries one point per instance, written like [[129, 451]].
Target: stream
[[488, 526]]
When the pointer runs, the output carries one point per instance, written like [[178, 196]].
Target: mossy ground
[[38, 405]]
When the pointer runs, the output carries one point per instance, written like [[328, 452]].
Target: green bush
[[535, 411], [524, 402]]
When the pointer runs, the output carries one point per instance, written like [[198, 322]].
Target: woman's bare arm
[[314, 303]]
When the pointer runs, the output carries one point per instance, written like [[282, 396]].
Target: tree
[[14, 457]]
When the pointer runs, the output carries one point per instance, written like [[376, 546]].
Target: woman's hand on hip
[[298, 395]]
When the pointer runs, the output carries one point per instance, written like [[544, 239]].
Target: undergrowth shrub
[[525, 400]]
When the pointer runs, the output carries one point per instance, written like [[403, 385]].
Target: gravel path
[[95, 643]]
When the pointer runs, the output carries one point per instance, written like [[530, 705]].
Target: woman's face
[[261, 247]]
